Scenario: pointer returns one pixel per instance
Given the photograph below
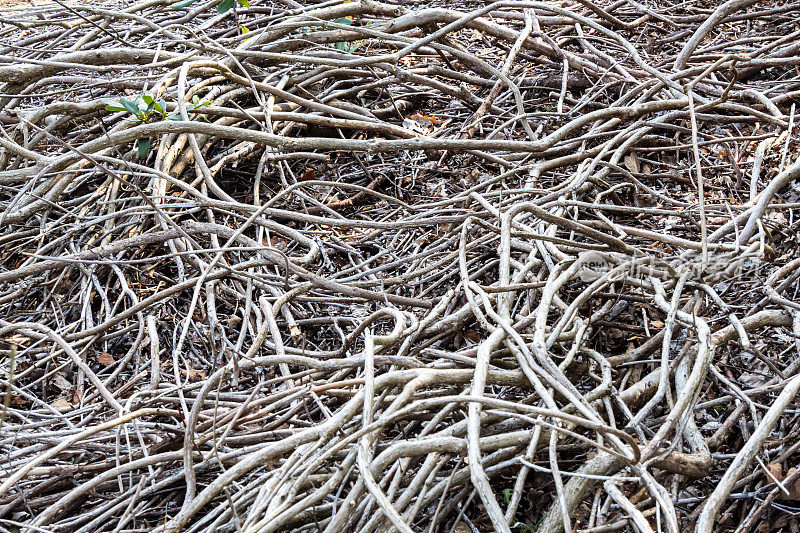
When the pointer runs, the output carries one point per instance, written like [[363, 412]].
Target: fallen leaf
[[794, 487], [422, 124], [194, 375], [234, 321], [61, 382], [430, 118], [20, 401], [61, 403], [776, 470], [631, 163], [105, 359]]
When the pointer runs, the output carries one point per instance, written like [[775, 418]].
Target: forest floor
[[365, 266]]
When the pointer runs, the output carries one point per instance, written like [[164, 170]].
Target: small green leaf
[[176, 118], [130, 106], [341, 46], [143, 146], [347, 21], [245, 3], [224, 6], [148, 99], [182, 4], [113, 105]]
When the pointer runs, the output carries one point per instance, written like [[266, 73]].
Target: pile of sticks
[[366, 266]]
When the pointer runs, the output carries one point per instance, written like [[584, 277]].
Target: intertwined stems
[[208, 293]]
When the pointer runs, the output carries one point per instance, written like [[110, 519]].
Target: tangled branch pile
[[365, 266]]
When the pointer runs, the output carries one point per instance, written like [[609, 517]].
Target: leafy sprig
[[145, 108]]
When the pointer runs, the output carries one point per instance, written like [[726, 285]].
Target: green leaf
[[143, 146], [245, 3], [130, 106], [148, 99], [347, 21], [183, 4], [341, 46], [176, 118], [161, 106], [113, 105], [224, 6]]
